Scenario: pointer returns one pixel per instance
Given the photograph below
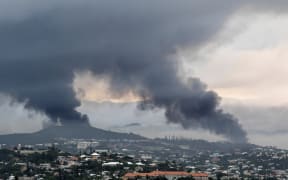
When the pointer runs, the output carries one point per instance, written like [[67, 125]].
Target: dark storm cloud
[[130, 41]]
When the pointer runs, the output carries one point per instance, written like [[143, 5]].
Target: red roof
[[164, 173], [199, 174], [135, 175]]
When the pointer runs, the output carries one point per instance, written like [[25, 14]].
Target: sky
[[237, 48]]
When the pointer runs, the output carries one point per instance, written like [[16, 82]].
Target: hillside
[[72, 131]]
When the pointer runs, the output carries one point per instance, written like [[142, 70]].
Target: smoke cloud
[[131, 42]]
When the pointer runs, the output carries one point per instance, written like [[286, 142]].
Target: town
[[167, 158]]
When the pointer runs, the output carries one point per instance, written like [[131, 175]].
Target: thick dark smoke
[[132, 42]]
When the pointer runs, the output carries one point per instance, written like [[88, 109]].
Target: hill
[[71, 131]]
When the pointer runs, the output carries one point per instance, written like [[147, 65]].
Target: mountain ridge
[[49, 134]]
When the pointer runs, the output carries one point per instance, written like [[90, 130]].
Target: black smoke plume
[[132, 42]]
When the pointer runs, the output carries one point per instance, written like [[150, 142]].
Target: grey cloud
[[267, 120], [132, 125], [130, 41], [15, 119]]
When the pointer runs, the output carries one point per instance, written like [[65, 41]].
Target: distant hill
[[198, 145], [85, 131], [72, 131]]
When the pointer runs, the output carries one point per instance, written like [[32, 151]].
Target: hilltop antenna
[[58, 123]]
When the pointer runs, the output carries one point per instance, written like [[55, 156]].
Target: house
[[170, 175], [112, 164], [200, 176], [95, 156]]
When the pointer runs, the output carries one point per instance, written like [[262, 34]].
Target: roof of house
[[165, 173], [199, 174]]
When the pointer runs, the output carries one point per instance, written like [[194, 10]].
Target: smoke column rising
[[131, 42]]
